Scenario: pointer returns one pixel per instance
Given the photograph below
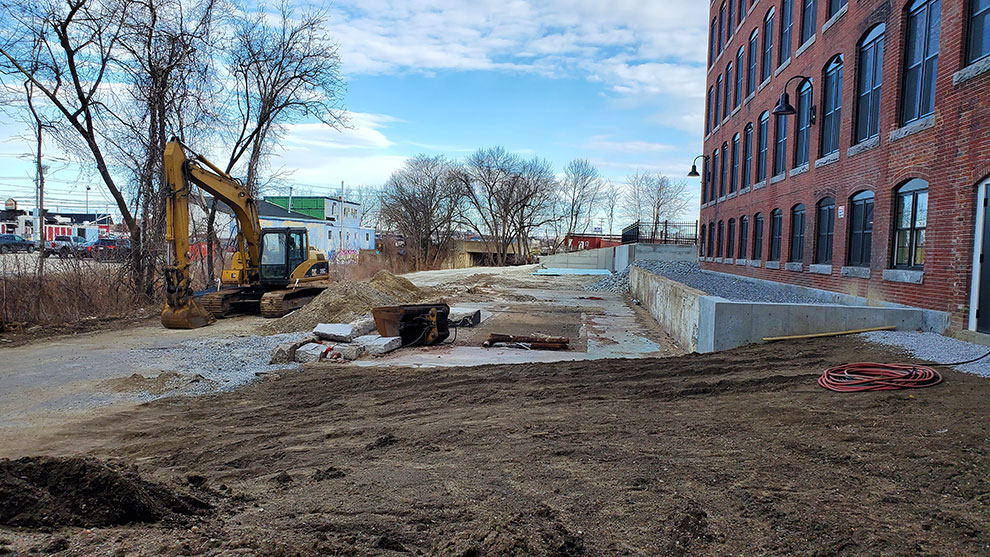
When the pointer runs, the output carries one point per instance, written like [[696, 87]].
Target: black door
[[983, 309]]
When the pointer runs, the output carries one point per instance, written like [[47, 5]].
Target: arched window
[[860, 228], [825, 223], [712, 42], [834, 6], [706, 179], [724, 170], [767, 47], [780, 145], [786, 30], [758, 236], [730, 241], [717, 112], [776, 232], [721, 28], [753, 55], [747, 157], [797, 233], [978, 45], [920, 59], [734, 172], [910, 220], [711, 238], [720, 238], [713, 186], [737, 91], [832, 106], [728, 22], [708, 110], [808, 19], [728, 91], [701, 242], [743, 236], [763, 146], [868, 88], [741, 13], [802, 139]]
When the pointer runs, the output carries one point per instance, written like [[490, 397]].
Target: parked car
[[13, 242], [66, 246], [109, 248]]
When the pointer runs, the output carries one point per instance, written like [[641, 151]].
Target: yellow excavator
[[274, 270]]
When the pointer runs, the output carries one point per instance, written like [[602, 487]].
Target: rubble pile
[[337, 341]]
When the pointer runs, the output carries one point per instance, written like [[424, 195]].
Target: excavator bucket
[[188, 316]]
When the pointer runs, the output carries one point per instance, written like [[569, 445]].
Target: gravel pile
[[690, 274], [224, 363], [936, 348]]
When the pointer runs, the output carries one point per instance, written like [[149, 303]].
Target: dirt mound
[[47, 492], [164, 382], [530, 533], [348, 300]]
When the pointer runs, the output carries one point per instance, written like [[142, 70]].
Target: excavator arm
[[182, 311]]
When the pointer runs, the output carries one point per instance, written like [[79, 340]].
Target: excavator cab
[[286, 257]]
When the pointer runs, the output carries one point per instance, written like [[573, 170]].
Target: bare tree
[[611, 195], [579, 195], [490, 179], [281, 72], [535, 194], [66, 50], [370, 200], [652, 198], [421, 201]]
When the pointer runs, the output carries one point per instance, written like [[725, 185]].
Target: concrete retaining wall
[[675, 306], [619, 257], [702, 323]]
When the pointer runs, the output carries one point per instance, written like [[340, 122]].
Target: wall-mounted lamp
[[694, 166], [784, 107]]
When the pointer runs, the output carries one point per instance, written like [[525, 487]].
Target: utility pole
[[87, 199], [289, 207]]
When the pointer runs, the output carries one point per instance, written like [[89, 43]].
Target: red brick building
[[875, 184]]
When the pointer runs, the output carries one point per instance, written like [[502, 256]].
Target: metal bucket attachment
[[417, 325], [189, 316]]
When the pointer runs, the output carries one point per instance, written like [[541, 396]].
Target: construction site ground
[[737, 453]]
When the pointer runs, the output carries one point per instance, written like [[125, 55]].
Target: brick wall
[[953, 156]]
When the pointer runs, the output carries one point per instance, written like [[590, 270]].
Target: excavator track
[[217, 303], [230, 301], [280, 302]]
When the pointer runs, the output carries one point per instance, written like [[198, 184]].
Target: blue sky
[[620, 83]]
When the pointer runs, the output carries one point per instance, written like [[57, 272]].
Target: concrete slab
[[339, 332], [377, 345], [363, 326], [349, 350], [556, 271], [311, 352]]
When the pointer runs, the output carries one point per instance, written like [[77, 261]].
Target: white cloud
[[605, 143]]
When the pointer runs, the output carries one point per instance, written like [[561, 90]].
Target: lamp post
[[784, 107], [694, 172]]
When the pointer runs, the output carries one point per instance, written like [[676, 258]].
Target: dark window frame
[[718, 100], [798, 218], [730, 239], [738, 90], [776, 234], [757, 237], [919, 75], [834, 6], [763, 147], [743, 236], [916, 189], [766, 68], [831, 106], [711, 238], [809, 19], [754, 48], [780, 145], [869, 88], [747, 166], [861, 229], [977, 18], [824, 230], [701, 241], [726, 104], [708, 111], [719, 239], [802, 135], [723, 170], [734, 171], [721, 28], [712, 39], [786, 32]]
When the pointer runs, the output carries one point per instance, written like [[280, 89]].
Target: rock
[[363, 326], [349, 351], [339, 332], [311, 352], [377, 345], [286, 352]]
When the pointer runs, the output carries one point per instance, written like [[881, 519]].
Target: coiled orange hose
[[868, 376]]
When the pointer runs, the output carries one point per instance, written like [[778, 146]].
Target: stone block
[[377, 345], [363, 326], [286, 352], [339, 332], [349, 351], [311, 352]]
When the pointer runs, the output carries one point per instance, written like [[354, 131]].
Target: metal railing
[[663, 232]]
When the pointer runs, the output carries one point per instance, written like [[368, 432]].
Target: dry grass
[[70, 290]]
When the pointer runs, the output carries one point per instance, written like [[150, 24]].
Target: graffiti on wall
[[343, 256]]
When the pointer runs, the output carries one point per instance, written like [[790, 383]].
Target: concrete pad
[[377, 345], [311, 352], [349, 351], [340, 332], [552, 271]]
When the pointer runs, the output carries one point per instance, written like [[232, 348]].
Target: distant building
[[343, 234], [590, 241], [90, 226]]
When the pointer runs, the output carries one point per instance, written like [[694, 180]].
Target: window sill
[[807, 44], [764, 84], [720, 199], [778, 178], [828, 159], [708, 259], [871, 143], [800, 170], [782, 66], [922, 124], [835, 18], [773, 264], [759, 185], [857, 272], [731, 195], [795, 266], [755, 263], [741, 262], [751, 9], [736, 110], [904, 275], [971, 71], [725, 119], [718, 260], [749, 98], [744, 191], [728, 261], [820, 269]]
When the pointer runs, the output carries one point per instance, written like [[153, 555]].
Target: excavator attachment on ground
[[273, 271]]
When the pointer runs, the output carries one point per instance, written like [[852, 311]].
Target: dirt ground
[[736, 453]]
